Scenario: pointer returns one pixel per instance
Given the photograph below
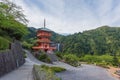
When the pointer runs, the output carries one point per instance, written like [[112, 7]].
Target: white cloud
[[70, 16]]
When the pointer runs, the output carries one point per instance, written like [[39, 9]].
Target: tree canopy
[[13, 23]]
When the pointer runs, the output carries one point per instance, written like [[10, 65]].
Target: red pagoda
[[44, 42]]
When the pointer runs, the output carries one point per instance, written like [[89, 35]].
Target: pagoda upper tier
[[44, 32]]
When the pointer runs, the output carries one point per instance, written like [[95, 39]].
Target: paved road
[[85, 72], [22, 73]]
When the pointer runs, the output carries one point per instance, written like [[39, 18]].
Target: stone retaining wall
[[12, 58]]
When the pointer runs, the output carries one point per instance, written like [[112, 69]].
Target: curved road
[[85, 72]]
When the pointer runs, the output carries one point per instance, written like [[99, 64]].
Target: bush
[[104, 60], [57, 69], [59, 55], [43, 57], [53, 68], [26, 45], [71, 59], [4, 43], [24, 54], [115, 61]]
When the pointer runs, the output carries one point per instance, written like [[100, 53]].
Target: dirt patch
[[112, 71]]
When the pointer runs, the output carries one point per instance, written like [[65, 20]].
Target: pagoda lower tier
[[44, 48]]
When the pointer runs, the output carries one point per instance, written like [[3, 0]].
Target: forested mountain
[[103, 40]]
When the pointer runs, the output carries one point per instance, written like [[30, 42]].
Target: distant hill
[[65, 34], [103, 40]]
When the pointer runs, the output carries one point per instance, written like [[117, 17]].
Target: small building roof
[[45, 29]]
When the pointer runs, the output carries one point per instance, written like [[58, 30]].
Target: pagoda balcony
[[40, 47], [47, 41], [40, 35]]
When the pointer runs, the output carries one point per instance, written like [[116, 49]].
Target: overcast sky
[[71, 16]]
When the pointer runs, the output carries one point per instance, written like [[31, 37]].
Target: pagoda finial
[[44, 23]]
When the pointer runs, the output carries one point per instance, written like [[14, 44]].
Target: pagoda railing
[[40, 34]]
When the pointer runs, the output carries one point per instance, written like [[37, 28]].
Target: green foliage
[[57, 69], [12, 20], [4, 43], [53, 68], [103, 40], [12, 23], [43, 57], [115, 61], [26, 45], [59, 55], [104, 60], [71, 59], [49, 74], [24, 54]]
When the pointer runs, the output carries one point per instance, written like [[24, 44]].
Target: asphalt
[[86, 72]]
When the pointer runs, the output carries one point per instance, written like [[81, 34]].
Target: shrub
[[24, 54], [57, 69], [59, 55], [4, 43], [103, 60], [53, 68], [43, 57], [26, 45], [115, 61], [71, 59]]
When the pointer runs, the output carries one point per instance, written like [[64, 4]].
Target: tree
[[12, 20]]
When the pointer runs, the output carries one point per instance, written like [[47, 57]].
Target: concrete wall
[[11, 59]]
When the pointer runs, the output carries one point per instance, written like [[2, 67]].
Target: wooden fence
[[12, 58]]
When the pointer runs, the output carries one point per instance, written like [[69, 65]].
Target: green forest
[[103, 40]]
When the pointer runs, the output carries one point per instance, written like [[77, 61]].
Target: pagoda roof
[[45, 29]]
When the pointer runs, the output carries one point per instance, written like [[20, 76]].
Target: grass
[[103, 61], [54, 68]]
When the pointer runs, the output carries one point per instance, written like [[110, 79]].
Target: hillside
[[103, 40]]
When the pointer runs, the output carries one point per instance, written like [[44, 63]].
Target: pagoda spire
[[44, 23]]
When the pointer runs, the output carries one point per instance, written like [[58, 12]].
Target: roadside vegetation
[[53, 68], [4, 43], [42, 56], [103, 60], [71, 59], [45, 72], [99, 60]]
